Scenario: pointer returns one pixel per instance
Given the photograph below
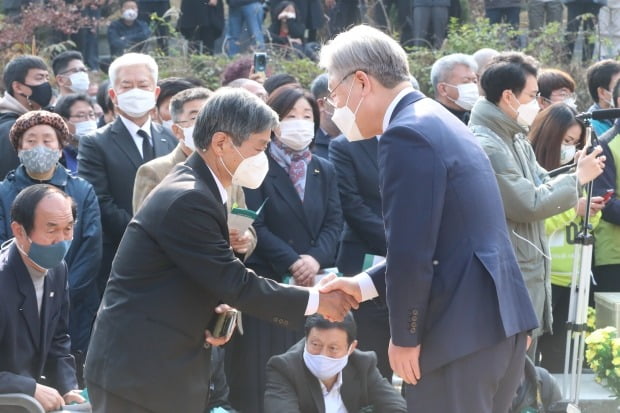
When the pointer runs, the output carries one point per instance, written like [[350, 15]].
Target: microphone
[[600, 114]]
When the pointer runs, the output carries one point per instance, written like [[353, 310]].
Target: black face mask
[[41, 94]]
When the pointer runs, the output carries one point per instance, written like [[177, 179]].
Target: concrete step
[[593, 397]]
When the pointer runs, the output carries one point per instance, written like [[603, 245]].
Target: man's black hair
[[319, 322], [17, 70], [64, 104], [171, 86], [62, 60], [507, 71], [599, 75]]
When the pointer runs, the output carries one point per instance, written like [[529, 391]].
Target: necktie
[[147, 148]]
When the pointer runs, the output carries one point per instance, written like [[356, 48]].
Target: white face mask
[[79, 82], [323, 367], [167, 124], [87, 127], [609, 101], [468, 95], [526, 113], [188, 134], [296, 133], [572, 102], [344, 119], [251, 171], [130, 14], [567, 153], [136, 102]]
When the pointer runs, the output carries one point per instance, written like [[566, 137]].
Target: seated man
[[325, 373], [127, 32], [34, 299]]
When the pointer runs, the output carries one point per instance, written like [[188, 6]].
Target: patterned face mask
[[39, 159]]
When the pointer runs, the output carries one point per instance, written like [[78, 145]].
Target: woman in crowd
[[39, 137], [298, 231], [556, 136]]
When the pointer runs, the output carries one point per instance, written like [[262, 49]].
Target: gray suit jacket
[[292, 388]]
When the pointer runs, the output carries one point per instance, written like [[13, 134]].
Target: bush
[[603, 357]]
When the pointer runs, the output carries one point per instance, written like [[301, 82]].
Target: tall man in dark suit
[[34, 299], [363, 239], [458, 307], [174, 266], [327, 130], [110, 158]]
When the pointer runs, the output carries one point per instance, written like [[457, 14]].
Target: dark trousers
[[86, 40], [552, 347], [346, 13], [607, 278], [404, 13], [206, 35], [483, 382], [508, 15], [104, 402], [147, 8], [373, 332], [430, 25], [574, 10]]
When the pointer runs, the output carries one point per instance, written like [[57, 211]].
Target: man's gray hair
[[442, 68], [132, 59], [180, 99], [235, 112], [319, 87], [369, 50]]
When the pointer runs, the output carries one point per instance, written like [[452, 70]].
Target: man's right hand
[[49, 397], [335, 305], [346, 284]]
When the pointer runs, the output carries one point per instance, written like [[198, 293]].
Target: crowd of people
[[114, 202]]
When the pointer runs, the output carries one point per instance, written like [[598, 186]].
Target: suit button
[[414, 312], [313, 243], [435, 262], [412, 330]]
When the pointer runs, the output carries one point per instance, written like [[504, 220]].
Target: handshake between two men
[[337, 296]]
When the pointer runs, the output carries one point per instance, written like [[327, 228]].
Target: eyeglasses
[[330, 98], [84, 116], [182, 122], [74, 71]]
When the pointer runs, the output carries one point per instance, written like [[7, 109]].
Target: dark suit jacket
[[453, 282], [109, 160], [358, 182], [33, 345], [291, 387], [173, 266], [287, 227]]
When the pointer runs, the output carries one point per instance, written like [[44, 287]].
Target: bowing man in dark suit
[[35, 356], [174, 266], [324, 372], [110, 159], [458, 306], [297, 231]]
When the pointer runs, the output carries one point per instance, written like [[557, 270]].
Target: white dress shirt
[[133, 131], [332, 398]]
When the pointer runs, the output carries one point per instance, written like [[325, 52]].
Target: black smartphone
[[260, 62], [224, 324]]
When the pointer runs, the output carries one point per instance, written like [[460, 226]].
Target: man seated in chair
[[35, 347], [325, 373]]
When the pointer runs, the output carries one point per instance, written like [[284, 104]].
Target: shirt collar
[[220, 187], [133, 128], [392, 106], [335, 388]]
